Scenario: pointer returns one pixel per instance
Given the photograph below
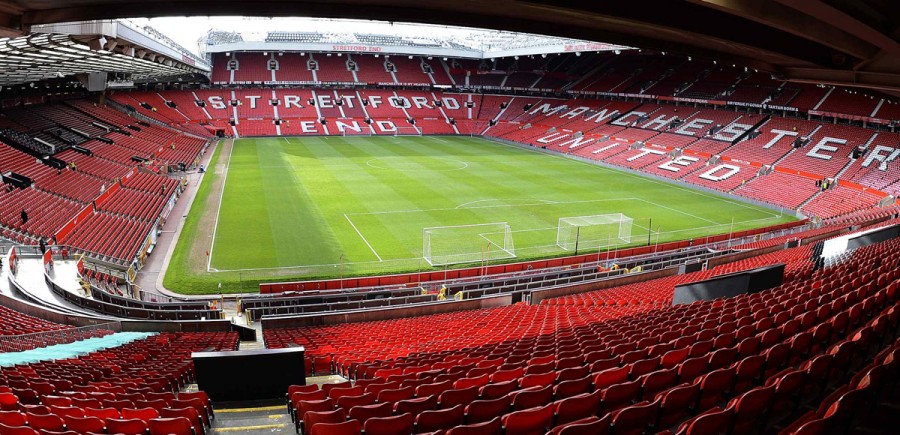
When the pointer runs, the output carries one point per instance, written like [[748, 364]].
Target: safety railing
[[23, 342]]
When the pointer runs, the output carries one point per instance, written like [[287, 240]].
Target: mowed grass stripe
[[364, 183], [267, 211]]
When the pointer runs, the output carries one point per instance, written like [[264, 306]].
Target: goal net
[[363, 132], [407, 131], [593, 231], [467, 243]]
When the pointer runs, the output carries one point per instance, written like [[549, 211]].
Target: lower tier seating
[[696, 368]]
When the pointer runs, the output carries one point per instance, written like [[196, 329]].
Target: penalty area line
[[363, 237]]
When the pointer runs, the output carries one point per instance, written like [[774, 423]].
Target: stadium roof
[[393, 38], [62, 50], [843, 42]]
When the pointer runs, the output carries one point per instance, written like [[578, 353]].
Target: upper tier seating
[[252, 68], [409, 70], [292, 68], [333, 68], [850, 102], [372, 69]]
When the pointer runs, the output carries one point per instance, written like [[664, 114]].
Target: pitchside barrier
[[736, 238]]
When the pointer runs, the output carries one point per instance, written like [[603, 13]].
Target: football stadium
[[455, 218]]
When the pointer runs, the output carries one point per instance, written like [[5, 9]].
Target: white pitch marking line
[[362, 237], [219, 208], [491, 206], [544, 201], [679, 211]]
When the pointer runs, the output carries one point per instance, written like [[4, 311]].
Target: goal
[[363, 132], [593, 231], [467, 243], [407, 131]]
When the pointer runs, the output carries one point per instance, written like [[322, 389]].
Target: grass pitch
[[295, 208]]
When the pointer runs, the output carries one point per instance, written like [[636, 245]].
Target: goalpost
[[467, 243], [363, 132], [407, 131], [593, 231]]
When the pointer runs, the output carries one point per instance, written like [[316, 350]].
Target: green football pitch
[[295, 208]]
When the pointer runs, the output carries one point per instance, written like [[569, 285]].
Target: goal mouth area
[[593, 231], [407, 131], [353, 133], [461, 244]]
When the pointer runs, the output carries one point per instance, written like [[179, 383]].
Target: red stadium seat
[[535, 421], [437, 420], [349, 427], [85, 424], [396, 425], [171, 426], [492, 427], [126, 427]]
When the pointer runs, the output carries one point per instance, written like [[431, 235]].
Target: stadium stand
[[620, 359], [621, 354]]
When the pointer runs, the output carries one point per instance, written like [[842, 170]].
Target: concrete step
[[253, 420]]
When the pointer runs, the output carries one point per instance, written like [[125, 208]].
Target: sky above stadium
[[188, 30]]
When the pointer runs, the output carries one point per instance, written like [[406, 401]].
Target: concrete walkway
[[30, 276], [150, 277]]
